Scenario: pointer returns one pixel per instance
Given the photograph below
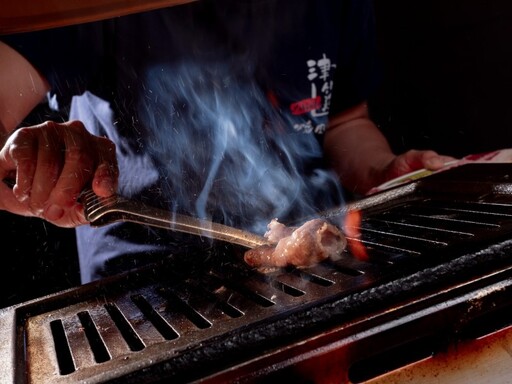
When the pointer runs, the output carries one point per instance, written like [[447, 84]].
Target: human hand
[[413, 160], [51, 163]]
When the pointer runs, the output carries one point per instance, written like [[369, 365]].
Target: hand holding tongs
[[101, 211]]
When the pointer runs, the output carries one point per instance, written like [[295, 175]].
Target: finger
[[50, 160], [19, 161], [434, 161], [105, 179], [68, 218], [448, 159], [76, 164], [416, 159], [9, 202]]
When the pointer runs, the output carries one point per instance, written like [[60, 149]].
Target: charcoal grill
[[438, 271]]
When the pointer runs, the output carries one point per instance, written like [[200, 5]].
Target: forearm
[[21, 88], [357, 150], [361, 156]]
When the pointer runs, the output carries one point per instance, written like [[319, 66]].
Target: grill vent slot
[[288, 289], [127, 331], [63, 353], [250, 294], [98, 347], [180, 304], [314, 279], [155, 318]]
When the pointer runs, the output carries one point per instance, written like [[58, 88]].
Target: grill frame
[[381, 296]]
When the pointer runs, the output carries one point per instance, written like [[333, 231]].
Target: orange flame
[[352, 229]]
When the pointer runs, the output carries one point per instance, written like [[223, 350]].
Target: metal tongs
[[101, 211]]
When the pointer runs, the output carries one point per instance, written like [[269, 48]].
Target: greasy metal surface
[[94, 335], [395, 337], [103, 331]]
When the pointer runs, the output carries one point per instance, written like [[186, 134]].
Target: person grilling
[[234, 111]]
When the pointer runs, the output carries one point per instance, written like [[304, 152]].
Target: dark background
[[447, 71], [38, 258], [447, 74]]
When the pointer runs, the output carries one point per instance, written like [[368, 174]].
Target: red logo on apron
[[305, 106]]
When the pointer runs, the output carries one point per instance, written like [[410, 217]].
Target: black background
[[448, 74]]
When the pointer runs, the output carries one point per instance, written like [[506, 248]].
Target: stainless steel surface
[[101, 211]]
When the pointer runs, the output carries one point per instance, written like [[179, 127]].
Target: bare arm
[[362, 157], [22, 88]]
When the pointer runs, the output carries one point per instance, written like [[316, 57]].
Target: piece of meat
[[309, 244], [276, 231]]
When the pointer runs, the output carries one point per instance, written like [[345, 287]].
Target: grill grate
[[129, 323], [91, 339], [429, 225]]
